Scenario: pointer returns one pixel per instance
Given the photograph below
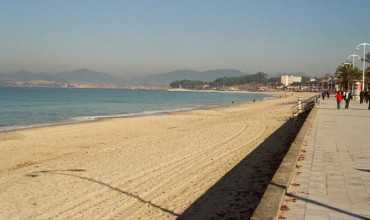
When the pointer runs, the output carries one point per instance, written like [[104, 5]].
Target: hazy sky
[[133, 37]]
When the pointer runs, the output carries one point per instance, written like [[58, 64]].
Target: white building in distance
[[287, 80]]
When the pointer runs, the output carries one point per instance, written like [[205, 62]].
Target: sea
[[30, 107]]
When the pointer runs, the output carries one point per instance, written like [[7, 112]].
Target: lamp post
[[353, 67], [364, 63], [353, 59]]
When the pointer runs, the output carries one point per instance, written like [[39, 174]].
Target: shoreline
[[272, 93], [168, 110], [89, 119]]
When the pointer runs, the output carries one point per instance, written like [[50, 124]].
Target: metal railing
[[305, 105]]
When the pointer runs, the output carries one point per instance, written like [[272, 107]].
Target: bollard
[[299, 106]]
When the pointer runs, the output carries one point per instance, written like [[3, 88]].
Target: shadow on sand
[[68, 172], [237, 194], [364, 170]]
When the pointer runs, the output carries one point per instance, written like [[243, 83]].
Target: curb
[[269, 205]]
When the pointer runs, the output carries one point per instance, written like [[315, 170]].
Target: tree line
[[257, 78]]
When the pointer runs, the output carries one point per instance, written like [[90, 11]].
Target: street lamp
[[353, 59], [364, 62], [353, 63]]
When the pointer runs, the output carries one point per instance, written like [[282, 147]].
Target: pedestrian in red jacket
[[339, 98]]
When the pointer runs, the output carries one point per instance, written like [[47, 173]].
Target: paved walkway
[[332, 179]]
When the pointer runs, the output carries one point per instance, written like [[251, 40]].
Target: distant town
[[260, 82]]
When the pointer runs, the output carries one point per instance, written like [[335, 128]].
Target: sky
[[144, 37]]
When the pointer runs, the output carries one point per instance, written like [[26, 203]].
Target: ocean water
[[24, 107]]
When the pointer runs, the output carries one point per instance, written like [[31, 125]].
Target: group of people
[[325, 94], [343, 95], [347, 97]]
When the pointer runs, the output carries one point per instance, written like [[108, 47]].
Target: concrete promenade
[[332, 177]]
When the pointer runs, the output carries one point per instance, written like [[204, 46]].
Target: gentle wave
[[98, 117], [126, 115], [20, 127]]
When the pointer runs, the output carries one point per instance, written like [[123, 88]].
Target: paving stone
[[316, 214], [332, 185], [340, 216]]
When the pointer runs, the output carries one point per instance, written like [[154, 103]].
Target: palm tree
[[367, 71], [346, 75]]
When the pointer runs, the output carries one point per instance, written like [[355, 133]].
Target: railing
[[305, 105]]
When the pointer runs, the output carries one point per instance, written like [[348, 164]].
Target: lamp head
[[362, 44]]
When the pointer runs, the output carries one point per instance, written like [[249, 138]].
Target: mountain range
[[91, 76], [167, 78]]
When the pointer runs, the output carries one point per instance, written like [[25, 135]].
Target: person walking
[[347, 99], [339, 98], [362, 94]]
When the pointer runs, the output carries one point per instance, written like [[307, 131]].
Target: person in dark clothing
[[323, 95], [366, 96], [347, 99], [327, 94], [362, 95]]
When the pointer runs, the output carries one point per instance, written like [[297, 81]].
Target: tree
[[367, 71], [346, 75], [367, 76], [240, 80], [187, 84]]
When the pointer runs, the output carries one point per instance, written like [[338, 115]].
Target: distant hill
[[76, 76], [24, 75], [167, 78], [85, 75]]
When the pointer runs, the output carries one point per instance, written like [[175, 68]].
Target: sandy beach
[[149, 167]]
